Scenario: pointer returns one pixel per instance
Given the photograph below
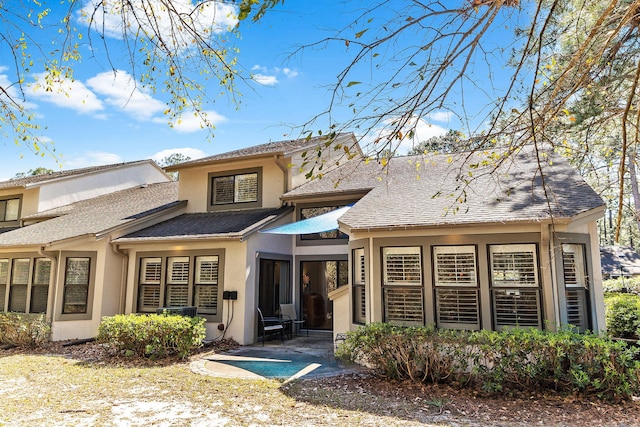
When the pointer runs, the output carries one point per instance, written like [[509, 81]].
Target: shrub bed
[[517, 359], [153, 336], [623, 315], [24, 330]]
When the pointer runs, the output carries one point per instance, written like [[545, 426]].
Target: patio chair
[[270, 326], [288, 313]]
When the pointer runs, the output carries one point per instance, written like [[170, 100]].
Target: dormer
[[255, 177]]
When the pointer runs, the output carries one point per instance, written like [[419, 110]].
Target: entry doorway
[[318, 279], [274, 286]]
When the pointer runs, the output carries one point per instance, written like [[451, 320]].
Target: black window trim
[[211, 207]]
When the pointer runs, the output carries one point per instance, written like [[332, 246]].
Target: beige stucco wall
[[29, 199], [194, 182]]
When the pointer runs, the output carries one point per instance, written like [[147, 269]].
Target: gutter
[[125, 273], [53, 281]]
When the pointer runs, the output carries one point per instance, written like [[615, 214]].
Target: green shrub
[[153, 336], [24, 330], [515, 359], [629, 285], [623, 315]]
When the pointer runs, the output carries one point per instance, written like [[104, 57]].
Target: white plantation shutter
[[206, 284], [149, 284], [514, 265], [177, 289], [515, 288], [402, 287], [246, 188], [359, 287], [576, 285], [456, 283]]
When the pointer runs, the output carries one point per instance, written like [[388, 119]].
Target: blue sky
[[102, 121]]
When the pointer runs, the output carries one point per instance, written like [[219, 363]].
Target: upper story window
[[241, 189], [9, 209], [311, 212]]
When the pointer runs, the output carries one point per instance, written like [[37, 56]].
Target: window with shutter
[[40, 285], [206, 284], [19, 283], [576, 284], [149, 284], [76, 285], [359, 287], [4, 277], [177, 288], [241, 188], [515, 287], [403, 298], [456, 287]]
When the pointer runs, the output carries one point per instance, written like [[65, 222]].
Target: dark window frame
[[7, 283], [213, 176], [91, 277], [4, 222]]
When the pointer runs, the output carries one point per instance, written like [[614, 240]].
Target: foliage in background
[[515, 359], [24, 330], [153, 336]]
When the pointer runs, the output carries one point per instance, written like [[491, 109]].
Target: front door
[[318, 279], [274, 286]]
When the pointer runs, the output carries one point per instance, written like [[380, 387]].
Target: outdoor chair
[[288, 313], [270, 326]]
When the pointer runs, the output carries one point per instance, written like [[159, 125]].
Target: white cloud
[[290, 73], [192, 153], [265, 80], [260, 68], [121, 91], [92, 158], [112, 19], [65, 93], [441, 116], [422, 130], [193, 122]]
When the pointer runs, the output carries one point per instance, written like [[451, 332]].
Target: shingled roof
[[28, 181], [95, 216], [227, 224], [439, 190], [269, 149]]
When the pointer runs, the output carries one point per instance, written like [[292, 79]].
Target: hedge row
[[517, 359], [153, 336]]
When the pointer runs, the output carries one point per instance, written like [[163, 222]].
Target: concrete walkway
[[308, 357]]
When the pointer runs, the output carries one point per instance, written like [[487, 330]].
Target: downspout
[[371, 304], [285, 171], [53, 282], [125, 271]]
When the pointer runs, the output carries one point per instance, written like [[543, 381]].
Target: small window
[[576, 284], [9, 210], [40, 285], [359, 287], [76, 285], [19, 284], [402, 285], [177, 289], [456, 287], [206, 284], [149, 284], [311, 212], [515, 287], [4, 277], [242, 188]]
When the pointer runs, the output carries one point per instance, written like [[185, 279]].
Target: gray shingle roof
[[619, 261], [198, 225], [38, 179], [94, 216], [436, 190], [271, 148]]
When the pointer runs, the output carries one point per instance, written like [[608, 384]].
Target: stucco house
[[425, 239]]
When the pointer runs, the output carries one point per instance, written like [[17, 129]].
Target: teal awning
[[317, 224]]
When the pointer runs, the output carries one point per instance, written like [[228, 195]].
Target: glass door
[[274, 286], [319, 278]]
